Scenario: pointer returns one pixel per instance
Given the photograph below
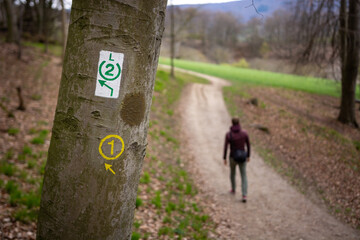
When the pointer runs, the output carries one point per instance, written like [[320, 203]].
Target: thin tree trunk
[[349, 53], [21, 24], [63, 27], [46, 20], [11, 21], [172, 41], [86, 196], [40, 13]]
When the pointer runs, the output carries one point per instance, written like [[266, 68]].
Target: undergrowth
[[21, 173], [165, 186]]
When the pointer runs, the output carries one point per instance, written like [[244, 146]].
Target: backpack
[[238, 155]]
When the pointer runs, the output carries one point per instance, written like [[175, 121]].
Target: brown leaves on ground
[[168, 204], [24, 139]]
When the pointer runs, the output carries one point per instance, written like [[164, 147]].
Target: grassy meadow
[[250, 76]]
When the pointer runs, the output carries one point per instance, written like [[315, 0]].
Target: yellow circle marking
[[104, 139]]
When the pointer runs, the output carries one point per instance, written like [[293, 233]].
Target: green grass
[[7, 168], [145, 178], [53, 49], [40, 138], [157, 200], [13, 131], [250, 76], [139, 202], [26, 215], [167, 186], [27, 150], [9, 154], [31, 164], [135, 236]]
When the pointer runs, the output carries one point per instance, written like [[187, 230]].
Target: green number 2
[[108, 72], [110, 67]]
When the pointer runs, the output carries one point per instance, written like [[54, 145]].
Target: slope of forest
[[292, 121], [168, 205], [242, 9], [297, 133]]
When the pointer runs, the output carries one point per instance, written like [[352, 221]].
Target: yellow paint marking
[[112, 147], [108, 167]]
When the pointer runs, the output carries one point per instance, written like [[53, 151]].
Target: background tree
[[172, 39], [321, 32], [80, 199], [214, 34], [349, 55], [12, 32], [63, 27]]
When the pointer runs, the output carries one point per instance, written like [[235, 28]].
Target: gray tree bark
[[11, 21], [349, 54], [82, 197]]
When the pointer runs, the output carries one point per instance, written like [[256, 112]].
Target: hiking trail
[[275, 209]]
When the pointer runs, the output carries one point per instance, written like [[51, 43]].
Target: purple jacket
[[238, 140]]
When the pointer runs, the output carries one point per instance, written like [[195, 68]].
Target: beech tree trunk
[[12, 34], [349, 54], [98, 142]]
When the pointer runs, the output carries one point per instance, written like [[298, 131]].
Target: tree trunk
[[11, 21], [40, 17], [349, 53], [98, 142], [63, 27], [20, 31], [172, 41], [45, 25]]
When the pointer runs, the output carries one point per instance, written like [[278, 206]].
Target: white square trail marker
[[109, 74]]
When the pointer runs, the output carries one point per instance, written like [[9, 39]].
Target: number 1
[[112, 146]]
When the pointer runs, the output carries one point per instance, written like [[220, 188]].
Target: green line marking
[[103, 83]]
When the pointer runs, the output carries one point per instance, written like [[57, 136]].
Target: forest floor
[[179, 195], [168, 203]]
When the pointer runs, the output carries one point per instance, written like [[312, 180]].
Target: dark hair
[[235, 121]]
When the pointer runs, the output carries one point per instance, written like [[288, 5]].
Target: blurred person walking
[[237, 139]]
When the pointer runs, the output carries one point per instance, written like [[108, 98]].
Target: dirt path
[[275, 210]]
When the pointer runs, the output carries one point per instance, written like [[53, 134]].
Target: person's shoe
[[232, 191], [244, 199]]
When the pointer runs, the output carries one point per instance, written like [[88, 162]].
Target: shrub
[[242, 63]]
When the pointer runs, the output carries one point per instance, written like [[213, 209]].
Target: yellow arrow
[[108, 167]]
